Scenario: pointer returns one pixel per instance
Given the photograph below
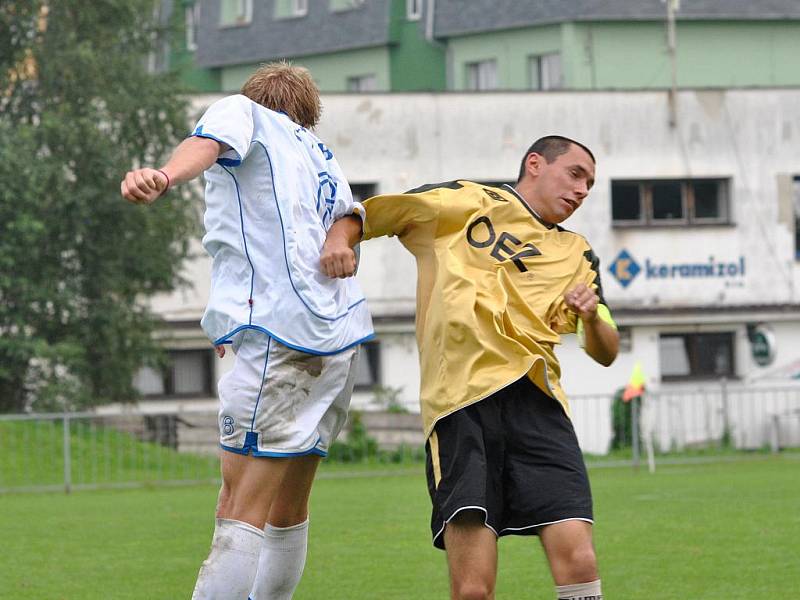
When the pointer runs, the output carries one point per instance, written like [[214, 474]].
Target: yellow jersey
[[490, 289]]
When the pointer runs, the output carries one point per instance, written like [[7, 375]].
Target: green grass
[[725, 530], [32, 454]]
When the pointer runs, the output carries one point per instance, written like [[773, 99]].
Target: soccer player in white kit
[[272, 191]]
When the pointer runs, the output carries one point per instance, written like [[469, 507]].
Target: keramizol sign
[[625, 269]]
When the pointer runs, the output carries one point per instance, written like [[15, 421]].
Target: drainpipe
[[429, 16]]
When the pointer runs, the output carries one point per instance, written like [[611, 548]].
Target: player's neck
[[528, 195]]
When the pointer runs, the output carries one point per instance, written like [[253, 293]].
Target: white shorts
[[280, 402]]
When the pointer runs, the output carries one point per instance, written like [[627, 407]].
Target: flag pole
[[635, 431]]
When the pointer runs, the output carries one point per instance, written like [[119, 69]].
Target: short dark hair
[[551, 147]]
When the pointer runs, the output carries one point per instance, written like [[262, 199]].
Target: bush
[[360, 447]]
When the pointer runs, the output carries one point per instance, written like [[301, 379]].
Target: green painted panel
[[181, 59], [720, 54], [330, 71], [633, 54], [511, 49], [415, 63]]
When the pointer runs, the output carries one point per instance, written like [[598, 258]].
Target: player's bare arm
[[192, 156], [602, 340], [337, 258]]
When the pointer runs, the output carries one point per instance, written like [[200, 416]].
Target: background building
[[414, 45], [694, 214]]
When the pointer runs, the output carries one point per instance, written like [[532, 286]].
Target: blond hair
[[283, 87]]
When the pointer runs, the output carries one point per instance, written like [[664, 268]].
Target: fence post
[[725, 439], [775, 434], [67, 456]]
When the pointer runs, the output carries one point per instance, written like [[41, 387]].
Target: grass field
[[722, 530]]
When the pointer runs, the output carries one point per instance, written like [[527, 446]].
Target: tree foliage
[[78, 108]]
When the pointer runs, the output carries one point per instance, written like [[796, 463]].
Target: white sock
[[283, 556], [580, 591], [230, 568]]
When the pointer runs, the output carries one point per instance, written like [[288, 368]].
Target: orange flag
[[635, 387]]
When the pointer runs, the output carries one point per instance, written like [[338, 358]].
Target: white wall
[[400, 141]]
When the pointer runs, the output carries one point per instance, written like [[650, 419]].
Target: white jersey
[[270, 200]]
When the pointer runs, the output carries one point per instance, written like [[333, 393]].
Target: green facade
[[181, 59], [594, 55], [415, 63], [510, 48], [330, 71], [633, 55]]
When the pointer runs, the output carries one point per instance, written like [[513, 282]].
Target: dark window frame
[[688, 203], [363, 190], [695, 352], [168, 375], [371, 352]]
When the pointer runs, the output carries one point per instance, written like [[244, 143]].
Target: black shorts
[[515, 457]]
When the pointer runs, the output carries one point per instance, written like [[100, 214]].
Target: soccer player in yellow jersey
[[499, 281]]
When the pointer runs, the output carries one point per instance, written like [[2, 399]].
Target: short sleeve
[[393, 214], [230, 122]]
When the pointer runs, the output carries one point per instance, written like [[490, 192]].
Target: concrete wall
[[751, 136]]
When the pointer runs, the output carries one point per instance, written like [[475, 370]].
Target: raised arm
[[192, 156], [337, 258], [601, 340]]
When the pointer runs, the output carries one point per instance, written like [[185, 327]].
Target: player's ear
[[533, 164]]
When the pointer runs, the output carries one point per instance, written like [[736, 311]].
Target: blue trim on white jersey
[[285, 257], [244, 240], [226, 339], [225, 162], [261, 387]]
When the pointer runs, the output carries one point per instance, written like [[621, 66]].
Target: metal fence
[[677, 418], [40, 452], [85, 450]]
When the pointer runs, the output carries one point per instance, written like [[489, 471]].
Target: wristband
[[164, 191]]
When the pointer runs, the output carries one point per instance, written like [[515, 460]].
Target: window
[[192, 13], [482, 75], [413, 9], [670, 202], [188, 373], [696, 356], [544, 72], [290, 9], [233, 13], [299, 8], [362, 83], [796, 191], [368, 373], [362, 191], [342, 5]]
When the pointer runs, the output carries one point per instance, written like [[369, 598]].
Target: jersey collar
[[527, 206]]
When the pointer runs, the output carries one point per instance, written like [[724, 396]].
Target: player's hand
[[337, 259], [583, 301], [220, 350], [143, 186]]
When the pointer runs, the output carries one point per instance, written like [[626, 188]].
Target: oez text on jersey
[[481, 234]]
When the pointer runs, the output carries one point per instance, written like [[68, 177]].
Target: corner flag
[[635, 387]]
